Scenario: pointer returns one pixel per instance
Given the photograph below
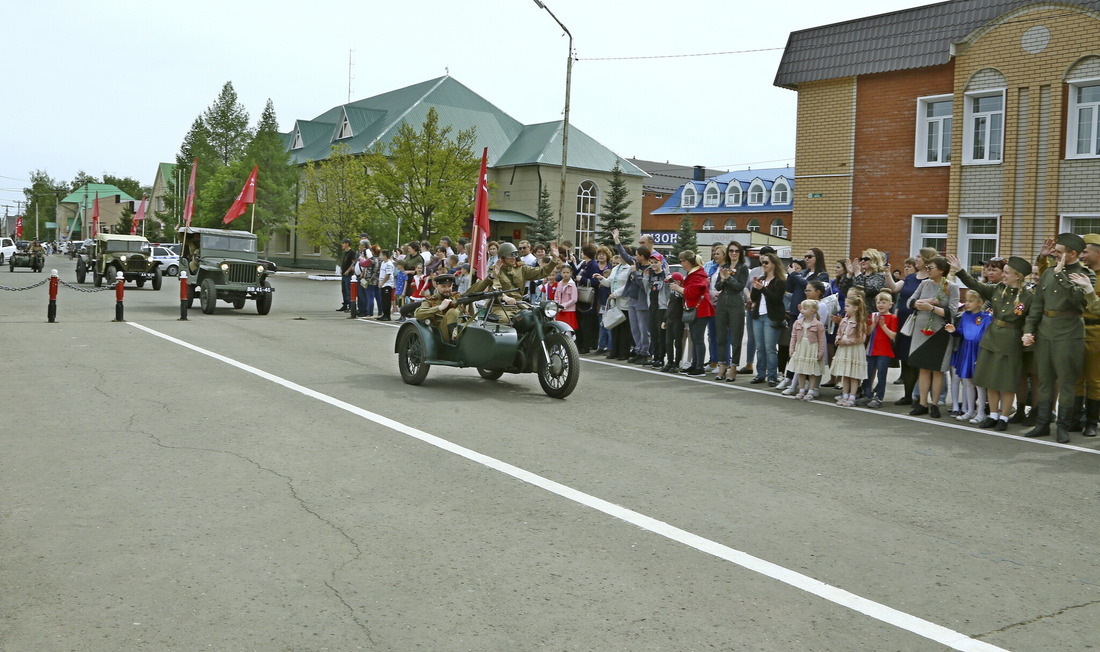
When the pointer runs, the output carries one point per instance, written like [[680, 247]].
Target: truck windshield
[[124, 245], [227, 243]]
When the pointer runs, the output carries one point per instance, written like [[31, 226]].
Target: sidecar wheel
[[559, 376], [411, 358], [490, 374]]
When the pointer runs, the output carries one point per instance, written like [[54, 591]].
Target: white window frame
[[758, 183], [298, 144], [968, 127], [689, 191], [1066, 222], [588, 209], [966, 238], [918, 234], [708, 224], [781, 184], [920, 152], [778, 229], [753, 225], [712, 197], [730, 225], [734, 194], [1073, 124]]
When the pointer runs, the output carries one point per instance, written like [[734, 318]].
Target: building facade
[[970, 127]]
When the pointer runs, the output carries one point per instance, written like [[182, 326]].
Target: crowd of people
[[986, 348]]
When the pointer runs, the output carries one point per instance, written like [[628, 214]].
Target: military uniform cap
[[1072, 241], [1021, 265], [1092, 239], [444, 278]]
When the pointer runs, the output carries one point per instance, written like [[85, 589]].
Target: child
[[419, 283], [807, 351], [566, 296], [880, 349], [972, 324], [850, 360], [673, 325]]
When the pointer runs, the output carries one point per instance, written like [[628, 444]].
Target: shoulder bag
[[613, 316], [586, 294]]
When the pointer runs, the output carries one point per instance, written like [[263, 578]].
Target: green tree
[[196, 145], [128, 185], [544, 228], [42, 197], [614, 214], [227, 121], [685, 239], [214, 198], [80, 179], [277, 178], [336, 196], [425, 178]]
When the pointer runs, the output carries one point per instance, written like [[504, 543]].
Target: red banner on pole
[[481, 219], [138, 216], [19, 227], [189, 205], [247, 196], [95, 216]]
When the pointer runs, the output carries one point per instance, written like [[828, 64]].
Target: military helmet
[[507, 250]]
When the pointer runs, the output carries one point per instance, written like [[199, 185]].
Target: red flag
[[247, 196], [189, 205], [138, 216], [19, 227], [95, 216], [481, 220]]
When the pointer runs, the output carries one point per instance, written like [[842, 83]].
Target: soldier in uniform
[[1000, 363], [1088, 387], [510, 275], [440, 308], [1056, 315]]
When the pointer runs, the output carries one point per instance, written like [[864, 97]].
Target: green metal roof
[[167, 170], [541, 145], [513, 217], [105, 190]]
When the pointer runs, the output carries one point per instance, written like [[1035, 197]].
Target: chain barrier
[[106, 288], [29, 287]]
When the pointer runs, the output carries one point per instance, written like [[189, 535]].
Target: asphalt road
[[246, 482]]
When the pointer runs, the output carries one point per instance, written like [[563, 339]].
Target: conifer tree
[[685, 239], [614, 214], [544, 228]]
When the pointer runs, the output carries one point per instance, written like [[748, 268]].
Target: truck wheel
[[238, 302], [97, 279], [158, 280], [190, 297], [140, 282], [263, 302], [559, 376], [411, 357], [208, 296], [11, 265], [81, 273], [490, 374]]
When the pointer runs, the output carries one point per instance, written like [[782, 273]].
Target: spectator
[[850, 361], [491, 253], [526, 255], [696, 291], [603, 296], [935, 303], [729, 283], [807, 346], [769, 317], [347, 269], [588, 333], [385, 284], [621, 340], [750, 337], [880, 350], [566, 296], [653, 277], [673, 324]]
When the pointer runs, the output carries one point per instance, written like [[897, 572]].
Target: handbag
[[688, 315], [909, 326], [613, 316], [586, 294]]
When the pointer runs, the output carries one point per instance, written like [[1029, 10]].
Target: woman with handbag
[[697, 308], [770, 317], [588, 311], [729, 282], [934, 303], [615, 316], [915, 274]]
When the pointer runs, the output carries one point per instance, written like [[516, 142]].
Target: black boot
[[1092, 416], [1076, 421], [1029, 420], [1066, 414], [1042, 420], [1018, 415]]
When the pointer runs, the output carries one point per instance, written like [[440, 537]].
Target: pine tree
[[685, 240], [227, 121], [276, 179], [544, 228], [615, 215]]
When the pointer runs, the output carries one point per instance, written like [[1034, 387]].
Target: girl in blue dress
[[972, 324]]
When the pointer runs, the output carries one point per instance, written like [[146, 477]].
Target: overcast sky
[[112, 88]]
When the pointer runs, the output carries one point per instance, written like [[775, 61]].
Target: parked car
[[7, 248], [169, 261]]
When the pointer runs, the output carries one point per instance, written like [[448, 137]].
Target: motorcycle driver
[[440, 308], [36, 248], [510, 275]]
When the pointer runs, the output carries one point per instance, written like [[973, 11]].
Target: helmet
[[506, 250]]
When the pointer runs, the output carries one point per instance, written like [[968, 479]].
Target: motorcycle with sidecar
[[532, 341]]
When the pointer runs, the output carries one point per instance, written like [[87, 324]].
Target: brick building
[[967, 126]]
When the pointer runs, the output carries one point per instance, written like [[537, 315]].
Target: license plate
[[260, 290]]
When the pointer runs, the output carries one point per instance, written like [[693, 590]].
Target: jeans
[[656, 335], [345, 289], [639, 328], [750, 342], [877, 365], [731, 328], [698, 343], [604, 341], [712, 338], [767, 348]]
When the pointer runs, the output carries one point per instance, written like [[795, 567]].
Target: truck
[[111, 253], [224, 264]]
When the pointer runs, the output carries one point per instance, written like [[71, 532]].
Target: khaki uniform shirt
[[1056, 292], [512, 279]]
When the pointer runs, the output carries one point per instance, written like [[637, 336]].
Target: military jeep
[[223, 264], [111, 253]]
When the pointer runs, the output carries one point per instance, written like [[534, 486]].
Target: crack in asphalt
[[1036, 619], [301, 503]]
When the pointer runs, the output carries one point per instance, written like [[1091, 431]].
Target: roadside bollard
[[354, 298], [51, 311], [119, 283], [183, 295]]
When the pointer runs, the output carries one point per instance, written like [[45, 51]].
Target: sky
[[113, 88]]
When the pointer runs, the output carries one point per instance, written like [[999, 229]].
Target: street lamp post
[[565, 121]]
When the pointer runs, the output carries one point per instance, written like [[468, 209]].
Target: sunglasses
[[765, 262], [865, 259], [809, 256]]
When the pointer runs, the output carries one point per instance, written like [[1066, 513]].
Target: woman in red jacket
[[696, 291]]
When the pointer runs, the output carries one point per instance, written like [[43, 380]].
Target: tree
[[128, 185], [685, 239], [335, 199], [277, 178], [615, 215], [227, 121], [42, 198], [196, 145], [545, 227], [424, 178], [80, 179]]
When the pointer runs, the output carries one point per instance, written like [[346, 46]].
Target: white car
[[7, 248], [169, 262]]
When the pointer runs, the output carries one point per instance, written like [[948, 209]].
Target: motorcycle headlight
[[225, 267], [550, 309]]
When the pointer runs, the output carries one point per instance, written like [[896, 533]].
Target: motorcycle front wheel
[[410, 357], [559, 376]]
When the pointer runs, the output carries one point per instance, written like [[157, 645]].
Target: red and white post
[[51, 311], [183, 295], [119, 285]]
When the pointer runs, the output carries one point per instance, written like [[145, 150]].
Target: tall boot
[[1092, 416], [1076, 421], [1042, 420], [1066, 415]]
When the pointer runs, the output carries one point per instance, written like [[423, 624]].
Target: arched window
[[731, 224], [734, 194], [588, 205], [757, 193], [690, 197], [778, 230], [781, 191], [711, 196], [708, 225], [753, 225]]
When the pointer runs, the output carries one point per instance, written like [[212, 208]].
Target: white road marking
[[883, 613]]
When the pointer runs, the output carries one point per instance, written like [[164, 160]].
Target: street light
[[565, 122]]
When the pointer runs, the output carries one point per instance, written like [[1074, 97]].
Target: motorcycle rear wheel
[[410, 357]]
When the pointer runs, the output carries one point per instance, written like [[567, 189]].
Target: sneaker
[[904, 400], [789, 391], [977, 419], [784, 384], [862, 401], [695, 372], [756, 381], [772, 383], [713, 364], [874, 404], [747, 369]]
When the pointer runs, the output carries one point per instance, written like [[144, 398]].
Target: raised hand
[[1083, 281], [1047, 248], [956, 264]]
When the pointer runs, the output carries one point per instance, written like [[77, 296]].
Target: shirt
[[385, 274]]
